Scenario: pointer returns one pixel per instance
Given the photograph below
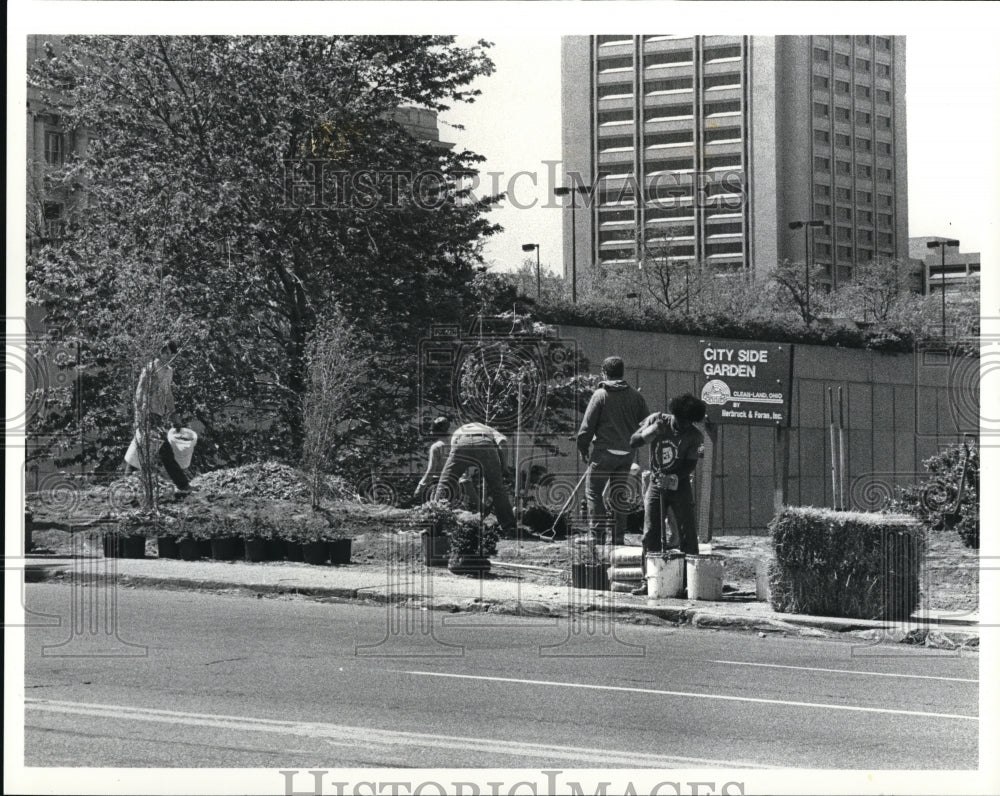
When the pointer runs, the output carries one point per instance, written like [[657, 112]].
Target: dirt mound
[[268, 481]]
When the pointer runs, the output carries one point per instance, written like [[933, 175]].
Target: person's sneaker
[[642, 591]]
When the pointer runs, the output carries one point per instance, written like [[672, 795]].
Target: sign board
[[746, 382]]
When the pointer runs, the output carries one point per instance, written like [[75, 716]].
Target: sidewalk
[[505, 591]]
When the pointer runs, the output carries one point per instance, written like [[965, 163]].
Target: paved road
[[202, 680]]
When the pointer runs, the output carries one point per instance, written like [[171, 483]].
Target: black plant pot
[[117, 545], [275, 549], [294, 552], [468, 564], [590, 576], [316, 552], [256, 549], [434, 549], [204, 548], [340, 551], [168, 547], [227, 548], [189, 549]]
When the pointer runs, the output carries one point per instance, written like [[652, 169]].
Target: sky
[[952, 90]]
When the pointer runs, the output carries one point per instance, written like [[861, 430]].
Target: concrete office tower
[[708, 146]]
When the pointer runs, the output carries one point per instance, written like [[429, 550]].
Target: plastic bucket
[[763, 582], [665, 575], [704, 577], [182, 442]]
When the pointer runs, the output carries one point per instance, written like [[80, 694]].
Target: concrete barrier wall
[[899, 409]]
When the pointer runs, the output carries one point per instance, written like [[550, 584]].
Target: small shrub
[[849, 564], [475, 535], [933, 499]]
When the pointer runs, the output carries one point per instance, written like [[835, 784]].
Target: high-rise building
[[705, 148]]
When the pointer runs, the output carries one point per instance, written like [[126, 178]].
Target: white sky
[[952, 87]]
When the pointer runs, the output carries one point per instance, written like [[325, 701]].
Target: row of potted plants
[[228, 534]]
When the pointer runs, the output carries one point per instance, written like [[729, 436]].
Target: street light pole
[[571, 192], [537, 248], [806, 225], [942, 245]]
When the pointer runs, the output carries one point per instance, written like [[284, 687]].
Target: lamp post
[[537, 249], [942, 244], [807, 225], [572, 192]]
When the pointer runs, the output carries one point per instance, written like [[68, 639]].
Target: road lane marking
[[369, 736], [829, 706], [850, 671]]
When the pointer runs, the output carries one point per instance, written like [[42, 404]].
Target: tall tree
[[264, 178]]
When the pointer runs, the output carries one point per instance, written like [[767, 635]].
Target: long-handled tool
[[551, 532]]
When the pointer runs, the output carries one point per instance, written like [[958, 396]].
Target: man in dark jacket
[[614, 412], [676, 447]]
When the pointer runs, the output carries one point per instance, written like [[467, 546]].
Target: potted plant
[[227, 524], [439, 523], [313, 531], [128, 540], [194, 539], [473, 541], [257, 531], [167, 542]]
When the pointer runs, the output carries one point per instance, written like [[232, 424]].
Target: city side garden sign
[[746, 382]]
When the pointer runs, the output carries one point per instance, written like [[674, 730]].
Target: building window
[[843, 194], [843, 233], [715, 108], [821, 109], [884, 220], [843, 114], [55, 152], [842, 139], [885, 239], [822, 210], [842, 60], [883, 43], [863, 64], [821, 164], [883, 95], [864, 171], [720, 53], [865, 41], [677, 84], [842, 87], [617, 215], [819, 81], [614, 117], [863, 144], [821, 136], [823, 190], [844, 252], [884, 175], [54, 225], [864, 216], [843, 167], [864, 119], [722, 81], [883, 70], [821, 55], [614, 39], [864, 92], [865, 235], [883, 122], [884, 200], [614, 90], [607, 64], [722, 161], [864, 197], [716, 134], [883, 148], [865, 255], [843, 214]]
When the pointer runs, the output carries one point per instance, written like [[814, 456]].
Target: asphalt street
[[152, 678]]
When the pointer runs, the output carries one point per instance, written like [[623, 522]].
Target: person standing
[[615, 410], [676, 447], [478, 445], [155, 412], [436, 456]]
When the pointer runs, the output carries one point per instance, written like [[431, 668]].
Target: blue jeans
[[485, 456], [605, 468]]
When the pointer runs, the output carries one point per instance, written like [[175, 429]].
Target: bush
[[932, 500], [850, 564]]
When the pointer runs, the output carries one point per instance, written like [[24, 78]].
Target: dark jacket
[[614, 412]]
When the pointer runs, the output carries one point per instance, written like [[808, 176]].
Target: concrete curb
[[939, 635]]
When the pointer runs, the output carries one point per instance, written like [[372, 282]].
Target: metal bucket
[[704, 577], [665, 575]]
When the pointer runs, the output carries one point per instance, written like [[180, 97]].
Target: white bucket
[[704, 577], [182, 442], [763, 583], [665, 575]]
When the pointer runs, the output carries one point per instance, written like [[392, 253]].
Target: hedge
[[848, 564]]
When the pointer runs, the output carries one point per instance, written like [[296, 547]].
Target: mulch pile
[[268, 481]]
